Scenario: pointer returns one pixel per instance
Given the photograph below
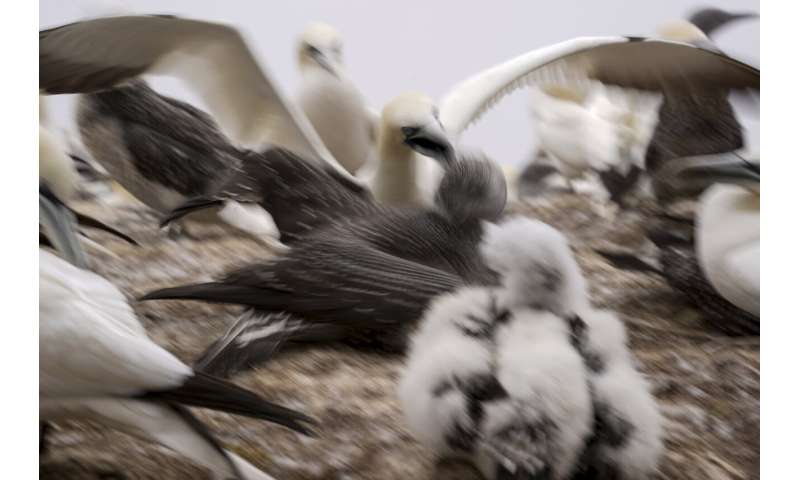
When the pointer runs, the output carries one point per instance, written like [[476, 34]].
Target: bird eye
[[410, 131]]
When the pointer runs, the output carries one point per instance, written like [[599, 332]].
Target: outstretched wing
[[213, 59], [644, 64]]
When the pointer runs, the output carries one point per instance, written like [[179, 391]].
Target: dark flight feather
[[205, 391]]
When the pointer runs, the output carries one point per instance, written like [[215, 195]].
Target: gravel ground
[[707, 383]]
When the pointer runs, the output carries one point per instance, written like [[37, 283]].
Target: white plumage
[[331, 100], [524, 378], [628, 441], [551, 378], [593, 127], [728, 243], [95, 358]]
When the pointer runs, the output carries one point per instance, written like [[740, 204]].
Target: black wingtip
[[87, 221], [207, 391], [627, 261], [187, 208]]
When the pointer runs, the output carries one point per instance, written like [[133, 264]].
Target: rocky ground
[[707, 383]]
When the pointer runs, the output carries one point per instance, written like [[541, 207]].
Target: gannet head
[[681, 31], [537, 267], [688, 177], [412, 120], [320, 47], [472, 187], [711, 19]]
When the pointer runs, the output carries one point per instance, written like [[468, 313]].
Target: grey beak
[[710, 20], [323, 60], [58, 224], [431, 142], [725, 168]]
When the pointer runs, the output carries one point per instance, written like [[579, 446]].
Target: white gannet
[[58, 183], [593, 127], [624, 129], [331, 100], [680, 258], [365, 275], [96, 362], [728, 243], [215, 61]]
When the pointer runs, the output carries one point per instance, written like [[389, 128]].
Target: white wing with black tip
[[213, 59]]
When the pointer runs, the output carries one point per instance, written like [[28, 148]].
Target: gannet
[[366, 276], [96, 362], [684, 265], [691, 122], [513, 379], [331, 100], [728, 243], [58, 183]]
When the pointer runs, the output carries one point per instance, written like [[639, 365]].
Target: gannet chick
[[627, 440], [331, 100], [366, 277], [492, 376], [539, 271], [96, 362]]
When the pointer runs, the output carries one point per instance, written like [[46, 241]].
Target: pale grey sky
[[391, 47]]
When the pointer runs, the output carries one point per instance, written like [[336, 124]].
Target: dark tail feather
[[627, 261], [201, 429], [214, 292], [87, 221], [206, 391], [676, 218], [190, 206], [257, 337]]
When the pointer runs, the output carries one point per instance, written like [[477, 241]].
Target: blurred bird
[[691, 121], [627, 439], [709, 20], [331, 100], [492, 375], [721, 243], [539, 270], [96, 362], [595, 128], [501, 388], [364, 277], [514, 379], [628, 129], [164, 152], [728, 243], [58, 181]]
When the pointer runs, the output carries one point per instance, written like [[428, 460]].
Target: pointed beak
[[58, 224], [325, 61], [726, 168], [430, 141]]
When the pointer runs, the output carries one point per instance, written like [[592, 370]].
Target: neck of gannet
[[395, 181]]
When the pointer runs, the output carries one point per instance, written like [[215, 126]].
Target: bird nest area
[[707, 383]]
